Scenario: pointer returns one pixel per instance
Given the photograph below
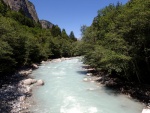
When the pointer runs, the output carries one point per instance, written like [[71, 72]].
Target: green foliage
[[21, 18], [3, 7], [56, 31], [72, 37], [64, 34], [6, 61], [22, 41], [118, 40]]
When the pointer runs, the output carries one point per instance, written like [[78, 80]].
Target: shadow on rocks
[[10, 92]]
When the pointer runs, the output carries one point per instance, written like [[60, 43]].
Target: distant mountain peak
[[46, 24]]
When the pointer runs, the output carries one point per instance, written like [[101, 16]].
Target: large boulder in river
[[29, 81], [34, 81], [40, 83]]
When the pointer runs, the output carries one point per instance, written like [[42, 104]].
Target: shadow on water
[[9, 92], [110, 91], [82, 72]]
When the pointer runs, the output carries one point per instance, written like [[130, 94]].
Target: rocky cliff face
[[24, 5], [46, 24]]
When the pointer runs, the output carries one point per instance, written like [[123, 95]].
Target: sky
[[71, 14]]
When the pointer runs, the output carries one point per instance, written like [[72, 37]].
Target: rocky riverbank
[[141, 92], [16, 89]]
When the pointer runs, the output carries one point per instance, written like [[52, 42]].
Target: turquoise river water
[[66, 92]]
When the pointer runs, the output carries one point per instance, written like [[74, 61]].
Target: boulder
[[99, 79], [25, 72], [40, 83], [34, 81], [35, 66], [28, 90], [43, 62], [110, 83], [22, 98], [29, 81]]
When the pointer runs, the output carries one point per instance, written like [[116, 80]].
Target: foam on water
[[65, 92]]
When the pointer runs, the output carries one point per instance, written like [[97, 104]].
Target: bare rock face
[[46, 24], [32, 11], [24, 5]]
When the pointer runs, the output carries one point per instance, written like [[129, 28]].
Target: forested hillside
[[118, 41], [23, 41]]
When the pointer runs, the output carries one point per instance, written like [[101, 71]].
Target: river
[[66, 92]]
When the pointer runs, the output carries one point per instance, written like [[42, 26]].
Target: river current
[[66, 92]]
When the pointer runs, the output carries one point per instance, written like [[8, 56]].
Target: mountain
[[24, 5], [46, 24]]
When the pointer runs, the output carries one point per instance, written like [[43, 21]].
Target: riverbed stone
[[27, 81], [35, 66], [25, 72], [28, 89], [99, 79], [40, 83], [34, 81], [22, 98]]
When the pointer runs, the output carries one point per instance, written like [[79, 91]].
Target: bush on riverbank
[[118, 41]]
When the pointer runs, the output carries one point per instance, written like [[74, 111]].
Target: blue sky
[[70, 14]]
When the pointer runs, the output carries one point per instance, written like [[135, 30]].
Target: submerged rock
[[85, 80]]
